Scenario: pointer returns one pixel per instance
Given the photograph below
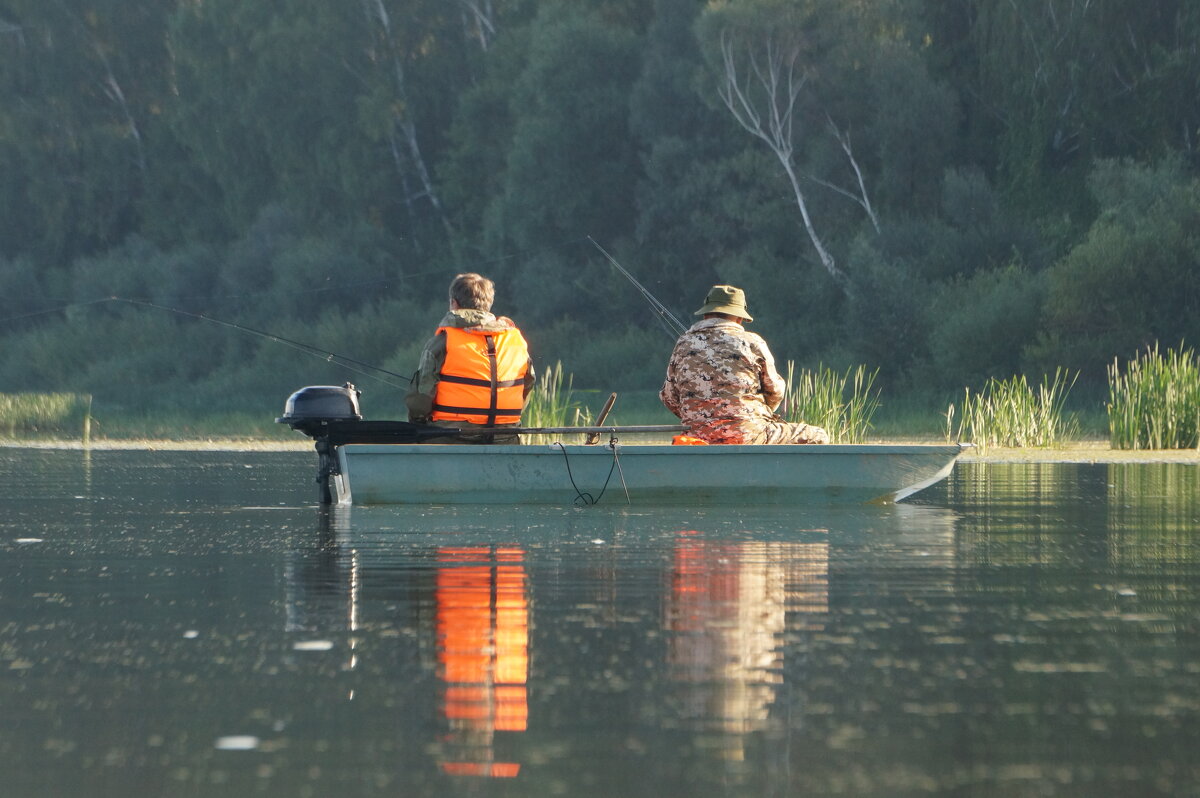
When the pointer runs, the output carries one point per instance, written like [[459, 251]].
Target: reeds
[[820, 398], [42, 413], [1155, 403], [552, 403], [1010, 413]]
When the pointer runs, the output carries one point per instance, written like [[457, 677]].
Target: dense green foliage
[[948, 192]]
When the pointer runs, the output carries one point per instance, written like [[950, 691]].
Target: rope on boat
[[583, 498], [612, 444]]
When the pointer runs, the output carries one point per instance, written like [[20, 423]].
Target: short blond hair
[[473, 291]]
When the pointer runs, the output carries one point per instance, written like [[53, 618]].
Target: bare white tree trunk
[[480, 21], [113, 90], [1052, 33], [860, 196], [402, 126], [774, 73]]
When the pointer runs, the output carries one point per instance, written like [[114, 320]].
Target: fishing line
[[344, 287], [671, 324], [308, 349], [55, 310]]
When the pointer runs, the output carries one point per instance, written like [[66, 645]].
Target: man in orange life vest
[[475, 373]]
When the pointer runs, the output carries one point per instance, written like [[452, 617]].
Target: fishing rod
[[308, 349], [53, 310], [671, 324]]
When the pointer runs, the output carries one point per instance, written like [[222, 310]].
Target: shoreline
[[1079, 452], [1082, 453]]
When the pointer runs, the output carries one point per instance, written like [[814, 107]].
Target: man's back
[[719, 373], [721, 379], [475, 371]]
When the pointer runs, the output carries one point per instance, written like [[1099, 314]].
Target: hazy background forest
[[945, 190]]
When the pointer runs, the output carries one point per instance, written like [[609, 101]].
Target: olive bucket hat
[[726, 299]]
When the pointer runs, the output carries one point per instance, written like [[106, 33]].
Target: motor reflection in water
[[480, 634]]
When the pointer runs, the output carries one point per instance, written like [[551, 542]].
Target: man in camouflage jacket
[[721, 379]]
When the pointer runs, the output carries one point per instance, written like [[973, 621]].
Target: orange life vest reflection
[[483, 652]]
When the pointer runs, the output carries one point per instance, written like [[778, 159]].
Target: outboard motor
[[311, 410], [331, 417]]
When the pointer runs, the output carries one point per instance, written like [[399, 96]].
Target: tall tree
[[765, 52], [412, 168], [681, 233], [570, 169], [840, 99], [82, 82], [1070, 81]]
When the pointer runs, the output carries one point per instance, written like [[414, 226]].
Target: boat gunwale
[[783, 449]]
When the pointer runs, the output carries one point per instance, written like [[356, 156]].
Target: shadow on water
[[192, 625]]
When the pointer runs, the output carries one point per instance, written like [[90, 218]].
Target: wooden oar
[[594, 437]]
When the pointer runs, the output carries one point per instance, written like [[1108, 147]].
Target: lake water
[[191, 624]]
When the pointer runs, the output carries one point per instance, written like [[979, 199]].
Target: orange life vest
[[483, 378]]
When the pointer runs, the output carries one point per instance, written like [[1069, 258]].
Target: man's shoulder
[[460, 319], [717, 329], [737, 332], [477, 321], [747, 335], [500, 324]]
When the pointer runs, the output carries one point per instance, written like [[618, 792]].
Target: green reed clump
[[1155, 403], [820, 398], [39, 413], [553, 402], [1010, 413]]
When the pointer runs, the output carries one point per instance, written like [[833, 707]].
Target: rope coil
[[583, 498]]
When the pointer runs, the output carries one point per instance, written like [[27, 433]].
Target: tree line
[[945, 191]]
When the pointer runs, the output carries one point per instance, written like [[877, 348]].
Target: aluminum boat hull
[[567, 473]]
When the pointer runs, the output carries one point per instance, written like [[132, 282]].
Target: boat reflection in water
[[693, 641]]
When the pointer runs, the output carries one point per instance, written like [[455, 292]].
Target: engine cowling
[[313, 405]]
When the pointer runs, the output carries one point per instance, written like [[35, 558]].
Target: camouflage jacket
[[720, 376]]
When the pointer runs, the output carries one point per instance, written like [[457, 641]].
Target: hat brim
[[730, 310]]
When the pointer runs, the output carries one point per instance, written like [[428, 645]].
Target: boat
[[386, 462]]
